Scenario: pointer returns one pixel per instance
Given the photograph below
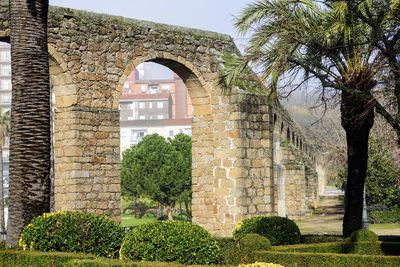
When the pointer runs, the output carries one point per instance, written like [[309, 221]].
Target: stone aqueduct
[[249, 158]]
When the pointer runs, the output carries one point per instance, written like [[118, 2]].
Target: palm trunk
[[2, 223], [357, 119], [29, 194]]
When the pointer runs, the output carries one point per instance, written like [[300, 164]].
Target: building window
[[142, 117], [171, 133], [143, 88], [154, 88], [188, 131], [6, 99], [160, 104], [141, 105], [166, 87], [137, 135], [5, 84], [160, 117], [5, 56], [150, 104], [6, 70]]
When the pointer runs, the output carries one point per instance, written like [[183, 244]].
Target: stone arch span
[[233, 168]]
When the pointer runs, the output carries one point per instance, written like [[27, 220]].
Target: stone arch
[[199, 89], [195, 83]]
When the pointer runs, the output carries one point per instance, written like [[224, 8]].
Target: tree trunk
[[2, 223], [160, 212], [29, 194], [357, 117], [170, 213]]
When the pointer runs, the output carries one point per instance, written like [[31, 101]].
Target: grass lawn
[[130, 220]]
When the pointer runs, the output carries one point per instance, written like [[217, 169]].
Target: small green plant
[[363, 235], [72, 231], [278, 230], [170, 241], [250, 243], [261, 264], [253, 242]]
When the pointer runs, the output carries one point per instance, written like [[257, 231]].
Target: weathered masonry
[[248, 156]]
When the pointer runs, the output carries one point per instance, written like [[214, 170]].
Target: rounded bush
[[253, 242], [363, 235], [72, 231], [170, 241], [261, 264], [278, 230]]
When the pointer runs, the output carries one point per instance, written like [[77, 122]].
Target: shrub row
[[17, 258], [391, 216], [312, 239], [368, 248], [89, 233], [297, 259]]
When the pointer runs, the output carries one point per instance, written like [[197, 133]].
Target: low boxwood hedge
[[298, 259], [368, 248], [312, 239], [18, 258]]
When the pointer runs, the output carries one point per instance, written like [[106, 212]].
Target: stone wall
[[241, 165]]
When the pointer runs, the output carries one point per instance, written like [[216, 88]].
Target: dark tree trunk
[[357, 116], [30, 116]]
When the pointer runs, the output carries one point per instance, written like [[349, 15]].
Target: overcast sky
[[211, 15]]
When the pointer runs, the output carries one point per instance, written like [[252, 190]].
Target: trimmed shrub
[[230, 253], [363, 235], [278, 230], [253, 242], [261, 264], [72, 231], [170, 241], [391, 216]]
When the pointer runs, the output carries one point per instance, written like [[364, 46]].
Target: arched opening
[[164, 97]]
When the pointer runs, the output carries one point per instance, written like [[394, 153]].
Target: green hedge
[[297, 259], [369, 248], [168, 241], [391, 216], [278, 230], [17, 258], [73, 231], [312, 239]]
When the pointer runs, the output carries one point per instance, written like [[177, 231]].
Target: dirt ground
[[328, 218]]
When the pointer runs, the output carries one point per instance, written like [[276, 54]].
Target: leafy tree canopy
[[158, 168]]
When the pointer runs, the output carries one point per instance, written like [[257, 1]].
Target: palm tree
[[4, 130], [300, 40], [29, 194]]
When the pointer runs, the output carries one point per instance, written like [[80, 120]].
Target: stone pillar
[[87, 161]]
